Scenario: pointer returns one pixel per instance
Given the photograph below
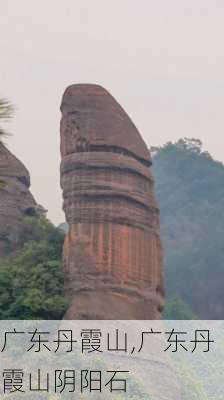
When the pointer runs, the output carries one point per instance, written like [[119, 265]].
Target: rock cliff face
[[16, 200], [112, 252]]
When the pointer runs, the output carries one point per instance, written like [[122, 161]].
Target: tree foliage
[[32, 281], [177, 309], [190, 191], [6, 113]]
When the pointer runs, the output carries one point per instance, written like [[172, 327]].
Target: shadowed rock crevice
[[85, 147]]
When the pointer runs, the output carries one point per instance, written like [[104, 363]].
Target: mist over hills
[[190, 192]]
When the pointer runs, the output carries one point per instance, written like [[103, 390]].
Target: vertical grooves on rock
[[111, 257]]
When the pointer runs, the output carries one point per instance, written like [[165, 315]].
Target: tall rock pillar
[[112, 252]]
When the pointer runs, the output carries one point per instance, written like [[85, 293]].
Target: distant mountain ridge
[[190, 191]]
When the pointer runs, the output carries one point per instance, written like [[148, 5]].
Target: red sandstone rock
[[16, 200], [112, 252]]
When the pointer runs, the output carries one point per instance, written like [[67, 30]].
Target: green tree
[[177, 309], [190, 192], [32, 281], [6, 113]]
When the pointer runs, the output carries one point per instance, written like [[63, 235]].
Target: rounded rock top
[[102, 121]]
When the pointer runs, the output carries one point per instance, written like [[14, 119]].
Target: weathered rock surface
[[16, 201], [112, 252]]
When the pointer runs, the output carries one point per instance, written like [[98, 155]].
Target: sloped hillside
[[190, 191]]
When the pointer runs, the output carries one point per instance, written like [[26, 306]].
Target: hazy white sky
[[163, 60]]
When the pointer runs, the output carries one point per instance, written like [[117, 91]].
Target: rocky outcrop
[[16, 201], [112, 252]]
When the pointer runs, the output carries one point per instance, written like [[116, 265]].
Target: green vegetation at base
[[177, 309], [32, 281]]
